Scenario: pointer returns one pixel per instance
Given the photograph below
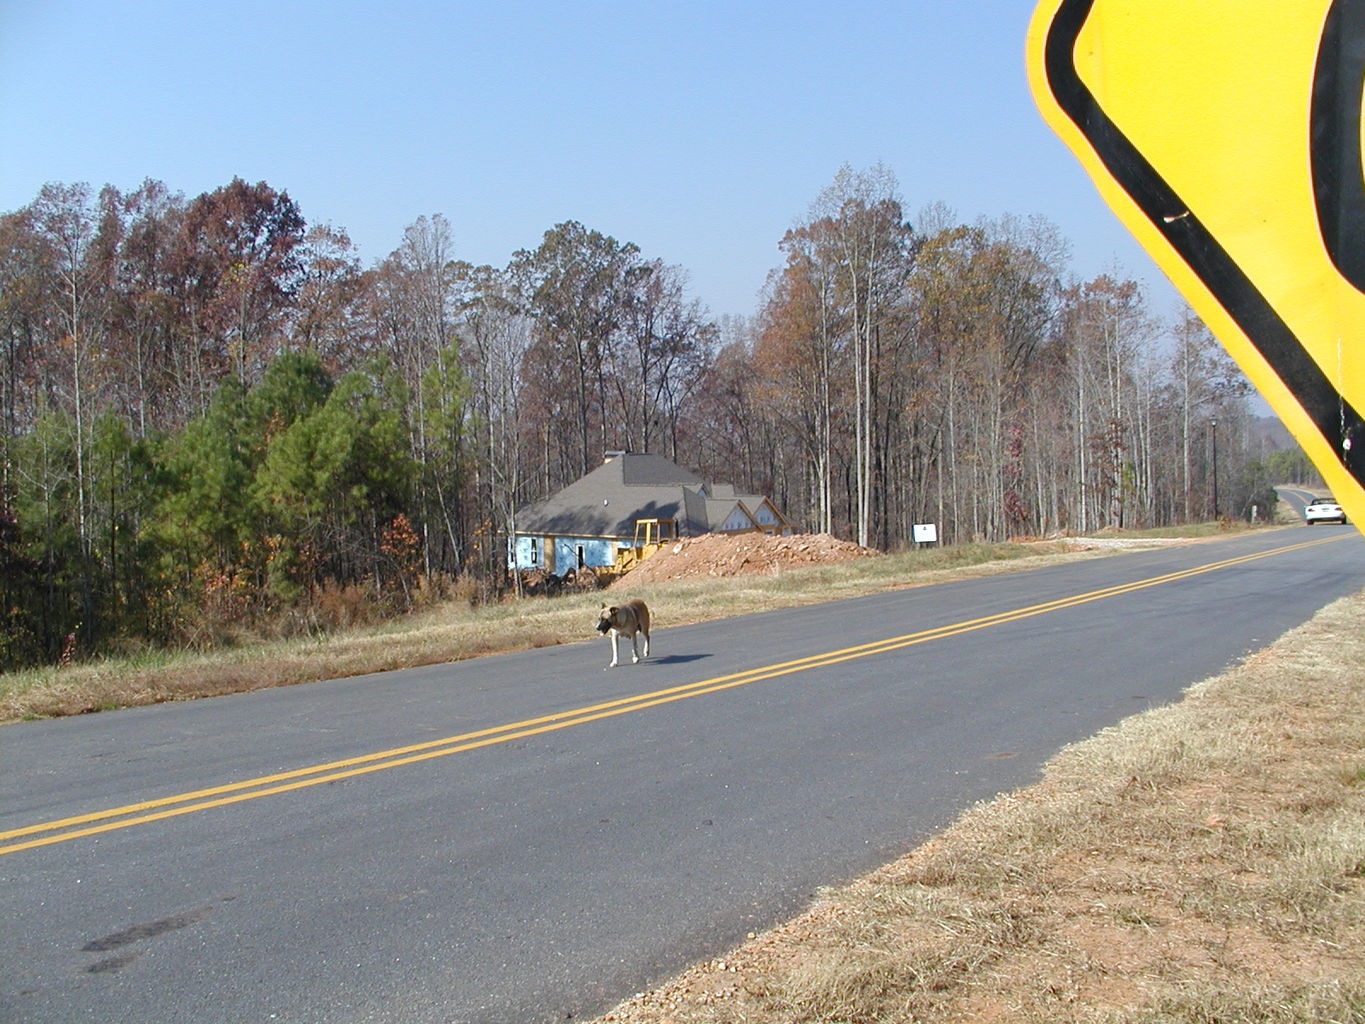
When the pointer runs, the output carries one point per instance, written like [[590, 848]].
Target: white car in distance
[[1323, 510]]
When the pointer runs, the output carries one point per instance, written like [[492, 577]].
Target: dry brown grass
[[451, 633], [1202, 863]]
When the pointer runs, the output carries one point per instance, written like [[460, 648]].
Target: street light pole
[[1213, 428]]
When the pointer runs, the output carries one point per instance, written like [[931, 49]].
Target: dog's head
[[606, 618]]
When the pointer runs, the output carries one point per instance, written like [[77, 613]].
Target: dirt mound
[[743, 554]]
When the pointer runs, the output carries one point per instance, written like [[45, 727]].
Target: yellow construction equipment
[[650, 536]]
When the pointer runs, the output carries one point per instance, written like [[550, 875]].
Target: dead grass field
[[1201, 863]]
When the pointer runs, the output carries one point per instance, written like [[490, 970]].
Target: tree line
[[216, 420]]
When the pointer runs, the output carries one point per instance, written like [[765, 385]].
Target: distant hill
[[1267, 434]]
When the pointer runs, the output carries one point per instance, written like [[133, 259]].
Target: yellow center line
[[62, 830]]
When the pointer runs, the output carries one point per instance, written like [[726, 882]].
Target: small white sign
[[925, 533]]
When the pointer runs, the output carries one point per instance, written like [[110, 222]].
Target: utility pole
[[1213, 430]]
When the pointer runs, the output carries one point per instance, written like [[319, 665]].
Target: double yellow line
[[65, 829]]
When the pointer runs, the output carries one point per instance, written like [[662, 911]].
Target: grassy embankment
[[456, 631]]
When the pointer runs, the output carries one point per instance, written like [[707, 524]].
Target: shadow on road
[[678, 659]]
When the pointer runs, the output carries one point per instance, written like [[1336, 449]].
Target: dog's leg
[[635, 648], [614, 635], [646, 644]]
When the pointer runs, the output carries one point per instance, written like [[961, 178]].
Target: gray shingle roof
[[607, 501], [630, 486]]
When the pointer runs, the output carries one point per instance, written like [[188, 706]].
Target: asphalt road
[[1296, 498], [531, 838]]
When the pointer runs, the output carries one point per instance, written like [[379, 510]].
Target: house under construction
[[628, 507]]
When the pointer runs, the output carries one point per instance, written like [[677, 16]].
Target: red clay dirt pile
[[743, 554]]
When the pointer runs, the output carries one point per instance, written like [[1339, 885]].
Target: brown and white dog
[[630, 619]]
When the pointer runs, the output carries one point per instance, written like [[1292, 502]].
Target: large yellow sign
[[1226, 135]]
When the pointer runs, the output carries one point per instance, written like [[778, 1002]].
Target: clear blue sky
[[700, 131]]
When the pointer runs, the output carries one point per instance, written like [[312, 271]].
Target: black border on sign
[[1334, 138], [1338, 422]]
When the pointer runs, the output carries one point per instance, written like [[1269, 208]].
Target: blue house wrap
[[564, 553]]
